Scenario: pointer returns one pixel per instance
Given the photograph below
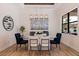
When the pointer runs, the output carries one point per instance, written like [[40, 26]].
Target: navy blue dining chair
[[56, 40], [20, 40]]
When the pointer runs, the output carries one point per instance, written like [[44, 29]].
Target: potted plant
[[22, 28]]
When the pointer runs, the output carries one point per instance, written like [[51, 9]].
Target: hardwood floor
[[65, 51]]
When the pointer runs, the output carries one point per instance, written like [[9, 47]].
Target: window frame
[[68, 17], [65, 23]]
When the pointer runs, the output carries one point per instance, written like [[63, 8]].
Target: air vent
[[39, 3]]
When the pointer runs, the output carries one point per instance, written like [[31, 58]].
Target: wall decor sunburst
[[8, 23]]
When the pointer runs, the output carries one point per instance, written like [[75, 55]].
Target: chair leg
[[20, 45], [56, 45], [49, 51], [25, 46], [59, 47], [29, 52], [16, 46], [51, 46], [38, 50]]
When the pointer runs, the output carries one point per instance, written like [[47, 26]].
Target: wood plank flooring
[[64, 51]]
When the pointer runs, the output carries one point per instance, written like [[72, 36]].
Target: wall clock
[[8, 23]]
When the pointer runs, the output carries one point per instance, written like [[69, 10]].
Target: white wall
[[20, 15], [41, 9], [7, 37], [68, 39]]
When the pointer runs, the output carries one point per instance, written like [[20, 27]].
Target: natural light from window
[[73, 18]]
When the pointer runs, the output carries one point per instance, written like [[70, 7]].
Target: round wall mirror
[[8, 23]]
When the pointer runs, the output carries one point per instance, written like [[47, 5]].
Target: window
[[70, 22], [73, 22], [65, 24]]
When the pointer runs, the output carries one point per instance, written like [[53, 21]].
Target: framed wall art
[[39, 23]]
